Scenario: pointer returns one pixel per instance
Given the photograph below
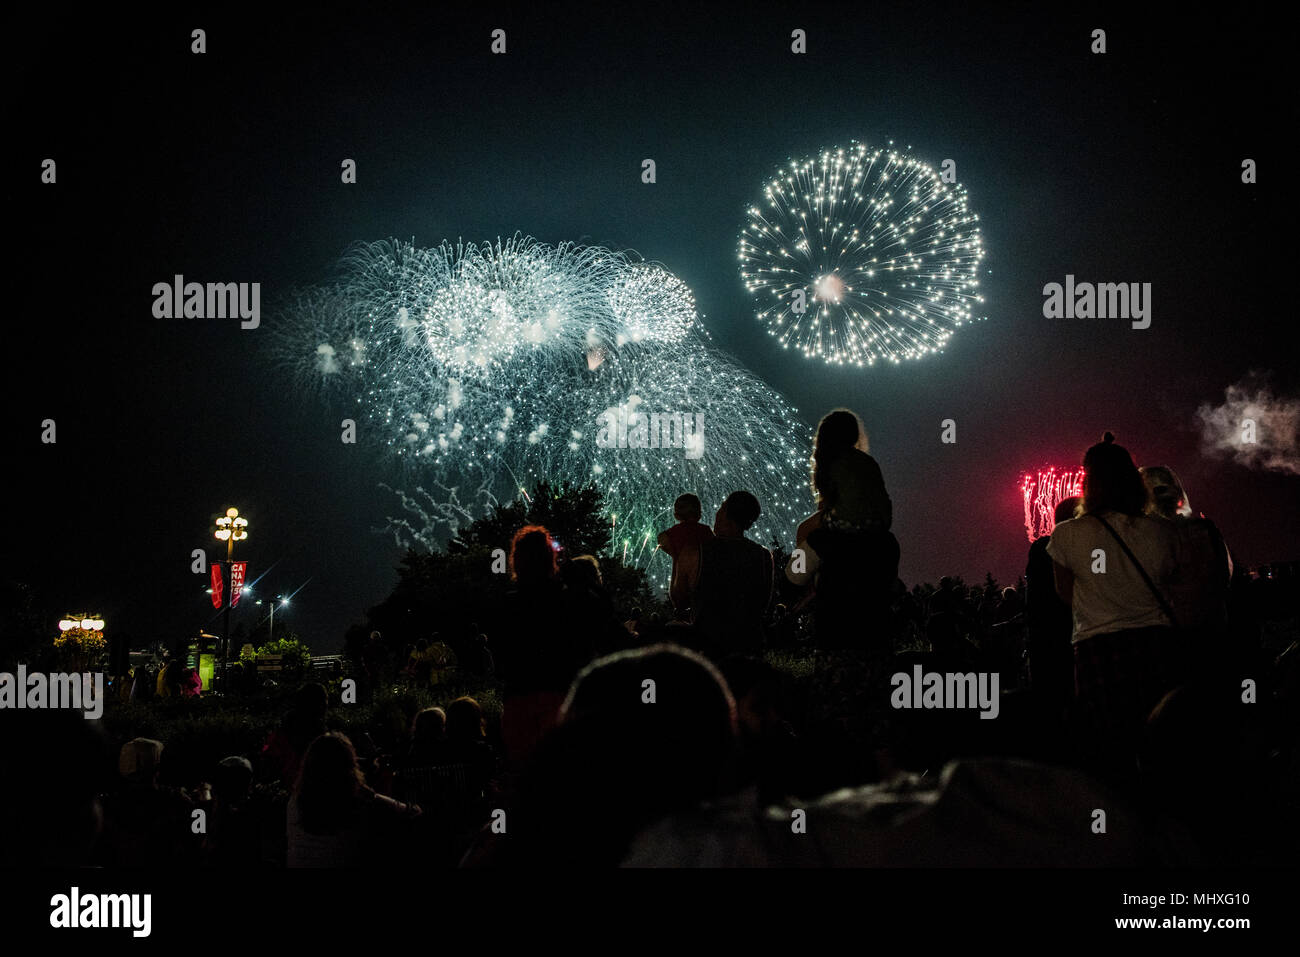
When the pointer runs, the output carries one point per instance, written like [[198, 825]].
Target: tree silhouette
[[457, 592], [572, 514]]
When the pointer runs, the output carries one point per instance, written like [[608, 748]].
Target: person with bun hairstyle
[[1114, 565]]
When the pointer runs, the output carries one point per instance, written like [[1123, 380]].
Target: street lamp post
[[230, 529], [83, 630], [271, 601]]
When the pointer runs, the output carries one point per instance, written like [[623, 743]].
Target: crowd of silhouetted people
[[1132, 678]]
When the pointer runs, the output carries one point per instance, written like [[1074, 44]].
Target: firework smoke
[[1258, 429]]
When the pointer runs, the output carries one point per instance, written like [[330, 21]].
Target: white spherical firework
[[650, 304], [488, 368], [861, 254]]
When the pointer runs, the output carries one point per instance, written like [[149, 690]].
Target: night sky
[[1122, 167]]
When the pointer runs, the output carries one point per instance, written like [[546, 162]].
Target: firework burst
[[861, 254], [485, 368], [1042, 491]]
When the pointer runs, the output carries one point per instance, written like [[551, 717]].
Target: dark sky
[[225, 167]]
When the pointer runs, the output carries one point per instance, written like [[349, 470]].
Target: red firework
[[1042, 491]]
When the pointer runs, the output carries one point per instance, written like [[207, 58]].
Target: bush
[[294, 654]]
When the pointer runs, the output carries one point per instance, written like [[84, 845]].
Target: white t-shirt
[[1118, 598]]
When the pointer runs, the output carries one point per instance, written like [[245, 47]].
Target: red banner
[[216, 586], [236, 581]]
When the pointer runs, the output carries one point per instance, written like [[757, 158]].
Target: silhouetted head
[[428, 725], [839, 431], [736, 514], [312, 700], [1168, 498], [1066, 509], [139, 760], [464, 720], [328, 784], [642, 734], [687, 508], [666, 710], [532, 555], [233, 778], [1111, 481], [582, 572]]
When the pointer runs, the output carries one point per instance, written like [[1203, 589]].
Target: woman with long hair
[[846, 550], [846, 480], [335, 819]]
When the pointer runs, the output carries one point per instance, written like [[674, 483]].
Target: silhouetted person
[[618, 762], [234, 838], [847, 486], [682, 544], [477, 658], [334, 818], [540, 644], [591, 609], [173, 680], [303, 723], [1050, 623], [419, 666], [146, 824], [466, 744], [1199, 588], [428, 731], [847, 551], [375, 661], [735, 587], [1113, 565], [145, 685], [846, 480]]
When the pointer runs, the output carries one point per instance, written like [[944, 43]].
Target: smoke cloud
[[1255, 427]]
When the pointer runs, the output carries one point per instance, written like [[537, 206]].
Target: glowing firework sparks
[[487, 368], [1042, 492], [651, 305], [859, 254]]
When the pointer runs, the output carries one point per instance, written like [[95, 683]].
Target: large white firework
[[861, 254], [486, 368]]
